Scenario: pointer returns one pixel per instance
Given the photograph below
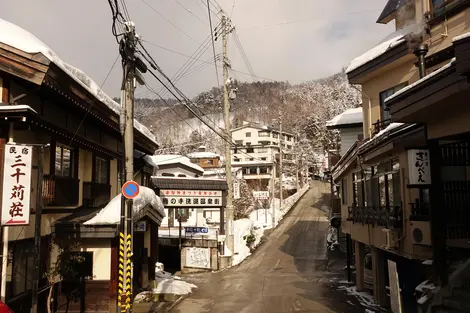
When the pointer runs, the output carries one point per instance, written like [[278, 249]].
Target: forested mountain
[[304, 108]]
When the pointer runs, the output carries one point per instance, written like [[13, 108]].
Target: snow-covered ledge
[[111, 213]]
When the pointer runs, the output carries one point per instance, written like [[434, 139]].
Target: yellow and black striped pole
[[128, 272], [121, 269]]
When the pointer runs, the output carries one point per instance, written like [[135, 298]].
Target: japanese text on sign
[[191, 198], [195, 230], [16, 185], [261, 195], [419, 167]]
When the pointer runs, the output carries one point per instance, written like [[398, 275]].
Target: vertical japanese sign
[[16, 185], [419, 167], [236, 190]]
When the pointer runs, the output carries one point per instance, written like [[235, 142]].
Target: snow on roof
[[166, 159], [16, 107], [235, 164], [203, 154], [19, 38], [350, 116], [150, 161], [419, 81], [461, 37], [111, 213], [392, 40], [384, 132]]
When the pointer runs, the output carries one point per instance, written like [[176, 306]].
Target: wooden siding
[[348, 137]]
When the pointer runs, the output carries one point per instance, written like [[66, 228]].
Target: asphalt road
[[290, 272]]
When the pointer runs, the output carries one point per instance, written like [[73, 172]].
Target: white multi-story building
[[257, 151]]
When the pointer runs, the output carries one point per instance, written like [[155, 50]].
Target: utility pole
[[226, 29], [127, 50], [280, 157], [273, 179]]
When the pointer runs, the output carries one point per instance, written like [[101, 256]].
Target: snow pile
[[351, 116], [168, 284], [23, 40], [427, 262], [461, 37], [425, 286], [365, 298], [332, 238], [392, 40], [242, 228], [111, 213], [202, 154]]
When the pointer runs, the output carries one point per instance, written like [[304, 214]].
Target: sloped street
[[291, 272]]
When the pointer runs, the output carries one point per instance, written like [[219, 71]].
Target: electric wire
[[213, 44], [190, 12], [170, 22]]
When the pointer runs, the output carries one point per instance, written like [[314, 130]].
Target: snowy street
[[290, 272]]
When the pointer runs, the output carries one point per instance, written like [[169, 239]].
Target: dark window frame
[[344, 190], [384, 112], [98, 157], [445, 10], [73, 164]]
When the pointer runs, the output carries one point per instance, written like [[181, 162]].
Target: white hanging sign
[[16, 193], [236, 190], [419, 167], [261, 195]]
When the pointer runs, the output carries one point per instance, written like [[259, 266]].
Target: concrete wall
[[211, 246], [101, 257]]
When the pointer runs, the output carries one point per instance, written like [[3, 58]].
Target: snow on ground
[[365, 298], [111, 213], [173, 285], [259, 221]]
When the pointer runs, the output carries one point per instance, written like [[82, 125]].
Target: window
[[236, 159], [63, 161], [250, 150], [358, 189], [263, 134], [181, 175], [250, 171], [168, 175], [239, 142], [264, 159], [384, 112], [262, 150], [235, 150], [263, 170], [275, 135], [441, 9], [248, 134], [101, 171], [344, 191]]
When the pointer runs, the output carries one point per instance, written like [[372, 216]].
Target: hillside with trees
[[304, 108]]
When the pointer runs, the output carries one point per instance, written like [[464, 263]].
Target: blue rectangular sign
[[195, 230]]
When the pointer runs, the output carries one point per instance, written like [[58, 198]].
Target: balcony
[[60, 191], [388, 217], [96, 195], [379, 126], [446, 10]]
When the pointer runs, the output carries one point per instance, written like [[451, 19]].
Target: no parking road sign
[[130, 189]]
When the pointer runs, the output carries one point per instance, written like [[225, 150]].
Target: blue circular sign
[[130, 189]]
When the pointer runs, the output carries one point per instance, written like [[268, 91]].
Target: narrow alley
[[290, 272]]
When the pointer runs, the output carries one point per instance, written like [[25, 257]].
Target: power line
[[190, 12], [244, 56], [170, 22], [182, 54], [213, 44], [91, 104]]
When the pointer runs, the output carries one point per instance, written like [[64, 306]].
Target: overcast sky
[[289, 40]]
